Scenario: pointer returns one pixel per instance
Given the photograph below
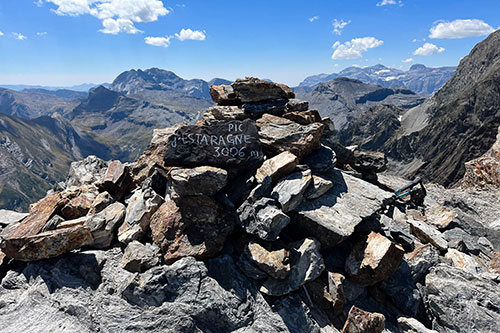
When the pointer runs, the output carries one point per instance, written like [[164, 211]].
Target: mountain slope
[[419, 78], [343, 99]]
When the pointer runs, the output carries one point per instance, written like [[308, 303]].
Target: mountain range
[[435, 139], [419, 78]]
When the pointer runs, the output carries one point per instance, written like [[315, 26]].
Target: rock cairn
[[251, 198]]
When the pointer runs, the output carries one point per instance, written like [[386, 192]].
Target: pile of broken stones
[[252, 220]]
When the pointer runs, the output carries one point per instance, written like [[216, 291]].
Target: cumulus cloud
[[338, 26], [389, 2], [188, 34], [314, 18], [461, 29], [354, 48], [407, 60], [19, 36], [158, 41], [428, 49], [116, 15]]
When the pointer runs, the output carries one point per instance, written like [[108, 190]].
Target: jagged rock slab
[[306, 264], [411, 325], [428, 233], [332, 217], [80, 205], [278, 135], [277, 166], [262, 218], [290, 190], [421, 259], [303, 117], [141, 207], [202, 180], [440, 216], [190, 226], [104, 224], [220, 144], [225, 113], [359, 321], [139, 257], [336, 291], [8, 217], [458, 301], [274, 263], [89, 292], [297, 105], [48, 244], [117, 180], [318, 187], [373, 259], [462, 261]]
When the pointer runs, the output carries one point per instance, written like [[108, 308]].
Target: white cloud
[[1, 33], [389, 2], [42, 33], [338, 26], [188, 34], [112, 26], [158, 41], [407, 60], [116, 15], [461, 29], [354, 48], [314, 18], [38, 3], [19, 36], [428, 49]]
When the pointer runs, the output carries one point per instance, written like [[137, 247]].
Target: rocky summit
[[252, 220]]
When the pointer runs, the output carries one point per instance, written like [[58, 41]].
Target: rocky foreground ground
[[252, 220]]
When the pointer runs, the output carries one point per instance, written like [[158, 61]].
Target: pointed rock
[[318, 187], [104, 224], [277, 167], [117, 180], [290, 190], [190, 226], [336, 291], [359, 321], [202, 180], [278, 135], [274, 263], [139, 257], [306, 265], [141, 207], [262, 218], [373, 260]]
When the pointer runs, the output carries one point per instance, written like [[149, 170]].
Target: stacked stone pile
[[244, 222]]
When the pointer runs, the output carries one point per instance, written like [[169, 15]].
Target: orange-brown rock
[[485, 170], [194, 226], [277, 167], [275, 263], [373, 259], [336, 291], [48, 244], [78, 206], [359, 321], [495, 263]]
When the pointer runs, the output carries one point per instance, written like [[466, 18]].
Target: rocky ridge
[[252, 220]]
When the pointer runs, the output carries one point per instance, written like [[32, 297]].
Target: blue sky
[[66, 42]]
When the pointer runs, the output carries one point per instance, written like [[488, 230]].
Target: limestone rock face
[[278, 135], [306, 264], [277, 166], [461, 302], [262, 218], [485, 170], [198, 181], [141, 206], [359, 321], [139, 258], [274, 263], [190, 226], [290, 190], [87, 171], [373, 260], [332, 217]]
